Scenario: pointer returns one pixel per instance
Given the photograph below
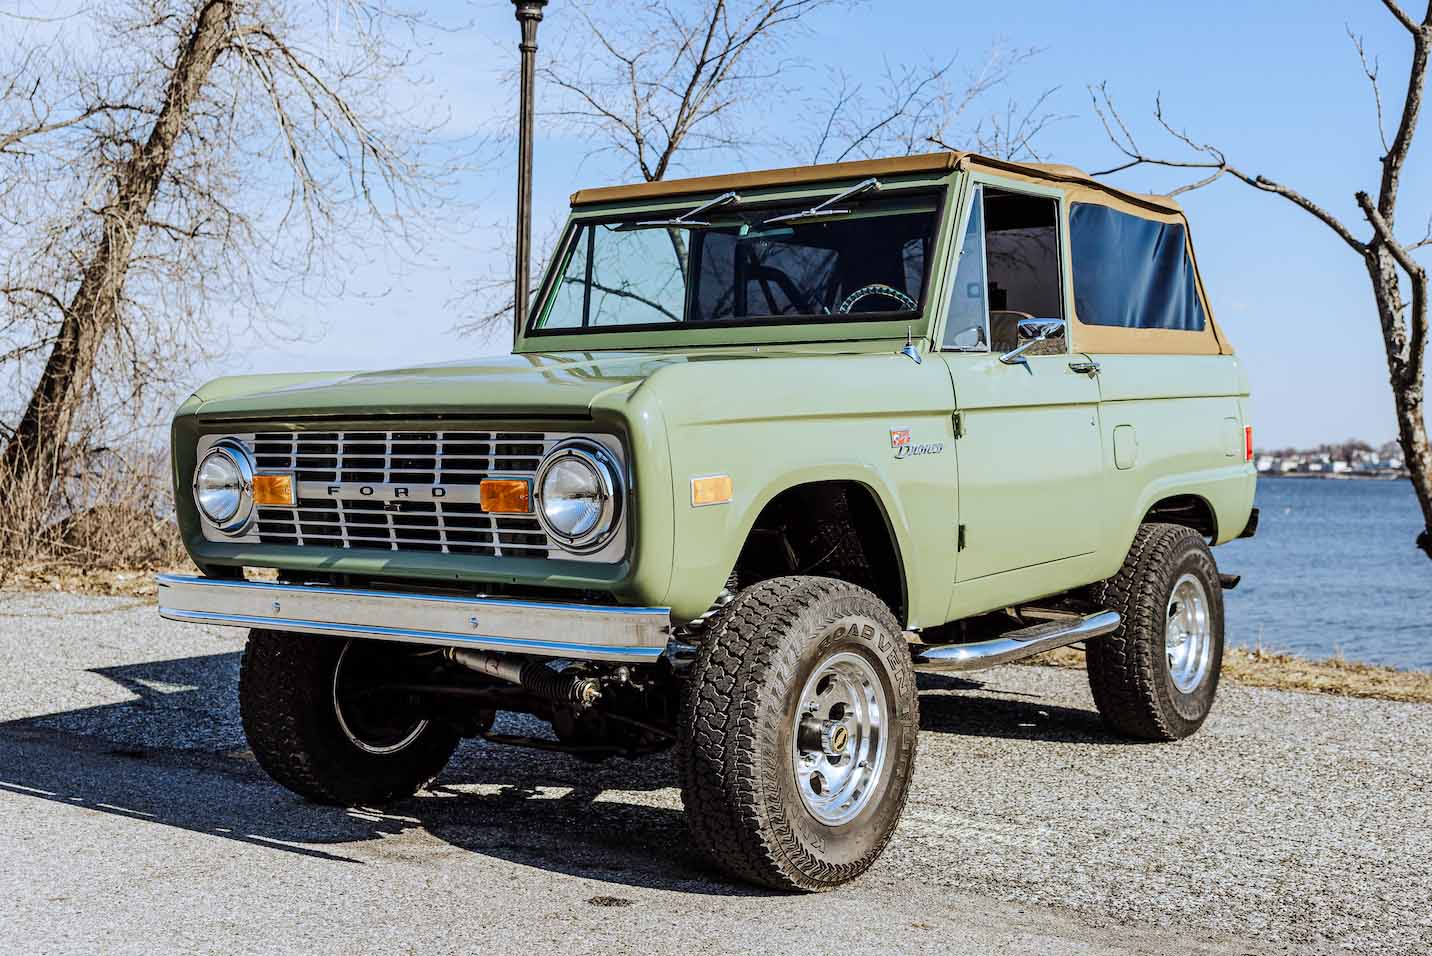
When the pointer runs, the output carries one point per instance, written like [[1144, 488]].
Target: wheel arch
[[850, 507], [1190, 510]]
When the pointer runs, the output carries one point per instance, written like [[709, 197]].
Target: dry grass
[[1256, 667], [98, 532], [74, 578]]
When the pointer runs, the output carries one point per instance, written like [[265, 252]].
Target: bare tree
[[1391, 262], [914, 106], [189, 158], [655, 82]]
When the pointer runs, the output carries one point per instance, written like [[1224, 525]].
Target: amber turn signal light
[[711, 490], [273, 490], [509, 496]]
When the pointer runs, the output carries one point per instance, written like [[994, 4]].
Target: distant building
[[1352, 459]]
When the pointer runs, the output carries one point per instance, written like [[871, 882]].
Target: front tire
[[798, 734], [314, 730], [1156, 676]]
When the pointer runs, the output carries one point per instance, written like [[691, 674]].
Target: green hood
[[535, 384], [530, 385]]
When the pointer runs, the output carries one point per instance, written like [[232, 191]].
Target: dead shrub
[[113, 511]]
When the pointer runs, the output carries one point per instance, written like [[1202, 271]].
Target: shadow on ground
[[1009, 716], [175, 755]]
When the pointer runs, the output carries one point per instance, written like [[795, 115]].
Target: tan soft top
[[936, 163]]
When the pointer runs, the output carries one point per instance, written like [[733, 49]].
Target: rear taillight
[[1247, 442]]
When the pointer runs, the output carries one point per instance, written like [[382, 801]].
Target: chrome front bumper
[[576, 631]]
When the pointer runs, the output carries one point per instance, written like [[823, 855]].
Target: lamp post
[[529, 14]]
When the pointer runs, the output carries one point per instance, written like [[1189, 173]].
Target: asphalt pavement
[[133, 820]]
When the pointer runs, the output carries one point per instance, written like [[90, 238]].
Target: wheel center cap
[[839, 738]]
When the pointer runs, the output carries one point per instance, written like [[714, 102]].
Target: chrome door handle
[[1085, 368]]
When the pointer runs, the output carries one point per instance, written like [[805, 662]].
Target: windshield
[[740, 268]]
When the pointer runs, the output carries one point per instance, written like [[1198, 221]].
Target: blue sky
[[1277, 85]]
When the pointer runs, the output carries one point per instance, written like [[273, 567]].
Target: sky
[[1277, 85]]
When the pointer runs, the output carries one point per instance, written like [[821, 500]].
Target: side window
[[1022, 248], [1131, 272], [1008, 270], [965, 322]]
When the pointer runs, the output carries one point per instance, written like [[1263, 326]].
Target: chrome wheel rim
[[365, 734], [1188, 634], [838, 741]]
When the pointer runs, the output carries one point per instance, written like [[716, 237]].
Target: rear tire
[[1156, 676], [798, 734], [292, 694]]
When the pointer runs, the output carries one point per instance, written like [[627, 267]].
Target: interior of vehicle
[[763, 264], [1008, 270], [849, 266]]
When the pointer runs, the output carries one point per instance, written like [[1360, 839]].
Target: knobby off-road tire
[[287, 702], [777, 648], [1145, 683]]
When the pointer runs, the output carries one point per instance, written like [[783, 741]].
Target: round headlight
[[579, 495], [223, 486]]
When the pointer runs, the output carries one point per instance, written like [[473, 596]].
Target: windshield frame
[[757, 330]]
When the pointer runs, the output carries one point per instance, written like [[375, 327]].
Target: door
[[1029, 457]]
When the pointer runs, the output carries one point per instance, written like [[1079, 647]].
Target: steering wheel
[[877, 288]]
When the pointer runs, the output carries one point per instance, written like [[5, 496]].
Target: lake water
[[1333, 569]]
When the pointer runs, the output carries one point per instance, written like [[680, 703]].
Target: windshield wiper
[[687, 219], [826, 208]]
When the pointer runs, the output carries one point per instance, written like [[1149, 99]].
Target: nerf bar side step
[[1015, 645]]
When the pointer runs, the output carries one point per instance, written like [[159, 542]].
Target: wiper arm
[[686, 220], [826, 208]]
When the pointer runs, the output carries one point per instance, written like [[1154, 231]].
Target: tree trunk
[[1405, 374], [33, 459], [1412, 436]]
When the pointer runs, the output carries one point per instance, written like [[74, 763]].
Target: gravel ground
[[132, 819]]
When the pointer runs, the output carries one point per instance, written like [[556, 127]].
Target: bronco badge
[[906, 447]]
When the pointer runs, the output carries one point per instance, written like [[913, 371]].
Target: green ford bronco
[[768, 445]]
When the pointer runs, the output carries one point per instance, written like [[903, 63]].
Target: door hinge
[[960, 539], [958, 420]]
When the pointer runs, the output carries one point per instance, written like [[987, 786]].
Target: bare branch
[[1214, 161], [1370, 70], [1411, 111], [1398, 251], [1396, 10], [1418, 280], [1426, 239]]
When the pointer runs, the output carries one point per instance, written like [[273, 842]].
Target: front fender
[[776, 425]]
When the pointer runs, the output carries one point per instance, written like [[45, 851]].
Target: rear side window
[[1131, 272]]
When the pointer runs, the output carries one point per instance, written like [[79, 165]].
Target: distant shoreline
[[1331, 476]]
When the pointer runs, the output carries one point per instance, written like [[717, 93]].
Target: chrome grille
[[453, 460]]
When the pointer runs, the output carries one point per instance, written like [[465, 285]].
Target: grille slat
[[415, 459]]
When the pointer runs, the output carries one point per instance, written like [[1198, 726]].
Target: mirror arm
[[1016, 356]]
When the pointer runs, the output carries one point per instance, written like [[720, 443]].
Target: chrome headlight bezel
[[237, 455], [607, 486]]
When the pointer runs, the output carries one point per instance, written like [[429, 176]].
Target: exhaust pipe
[[534, 676], [1016, 645]]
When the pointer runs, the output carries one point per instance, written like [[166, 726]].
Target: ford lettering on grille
[[359, 491]]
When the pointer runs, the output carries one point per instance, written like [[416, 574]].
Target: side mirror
[[1031, 333]]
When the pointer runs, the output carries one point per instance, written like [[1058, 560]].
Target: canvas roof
[[930, 163]]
